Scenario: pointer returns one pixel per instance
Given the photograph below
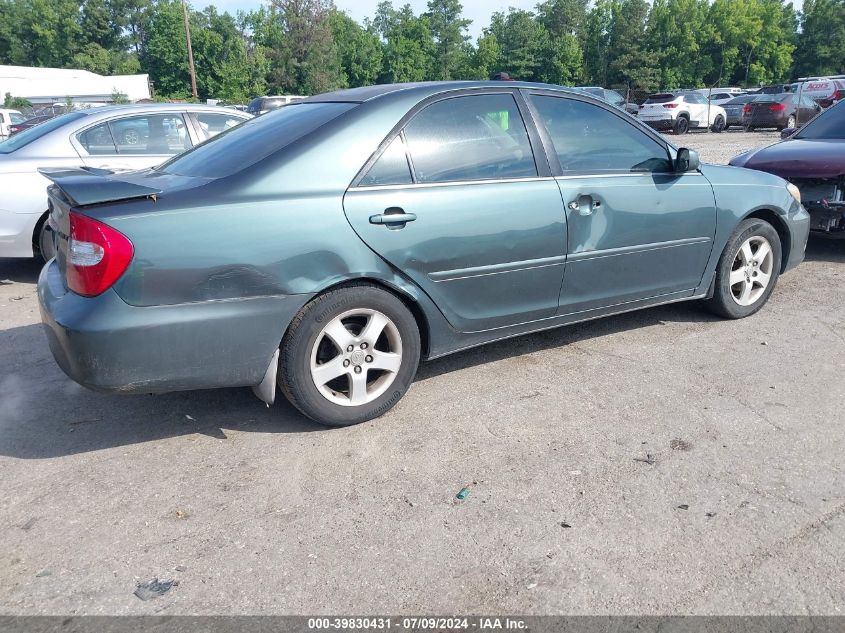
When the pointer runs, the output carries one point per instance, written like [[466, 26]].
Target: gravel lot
[[658, 462]]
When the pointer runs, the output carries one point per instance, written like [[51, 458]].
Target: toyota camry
[[329, 246]]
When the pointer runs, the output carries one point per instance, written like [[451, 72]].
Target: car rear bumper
[[106, 344], [764, 121], [659, 124]]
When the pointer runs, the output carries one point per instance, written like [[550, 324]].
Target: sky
[[479, 11]]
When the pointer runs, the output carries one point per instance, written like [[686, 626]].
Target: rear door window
[[391, 168], [144, 135], [478, 137], [211, 124]]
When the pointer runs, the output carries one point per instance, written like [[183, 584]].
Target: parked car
[[115, 137], [331, 244], [778, 111], [825, 92], [681, 111], [263, 105], [720, 96], [774, 89], [733, 109], [7, 118], [813, 159], [612, 97], [28, 123]]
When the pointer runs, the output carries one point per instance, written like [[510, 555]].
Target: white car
[[682, 111], [118, 138], [7, 118]]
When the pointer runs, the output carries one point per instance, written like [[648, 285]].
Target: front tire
[[349, 355], [718, 125], [748, 270]]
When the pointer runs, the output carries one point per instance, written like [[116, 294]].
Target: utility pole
[[190, 51]]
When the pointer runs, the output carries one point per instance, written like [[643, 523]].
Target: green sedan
[[324, 249]]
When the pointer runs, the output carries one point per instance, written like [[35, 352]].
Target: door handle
[[585, 205], [393, 216]]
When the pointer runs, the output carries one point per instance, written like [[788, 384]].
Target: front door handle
[[393, 218], [585, 205]]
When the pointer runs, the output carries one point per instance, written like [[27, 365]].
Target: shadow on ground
[[825, 249], [46, 415], [24, 271]]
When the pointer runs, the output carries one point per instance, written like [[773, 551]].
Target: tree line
[[309, 46]]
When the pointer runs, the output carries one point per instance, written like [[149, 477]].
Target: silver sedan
[[118, 138]]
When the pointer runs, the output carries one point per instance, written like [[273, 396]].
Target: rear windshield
[[829, 124], [741, 100], [661, 98], [26, 137], [248, 143], [783, 96]]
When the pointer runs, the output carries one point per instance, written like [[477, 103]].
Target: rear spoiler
[[88, 186]]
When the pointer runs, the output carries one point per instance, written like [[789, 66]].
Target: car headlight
[[796, 193]]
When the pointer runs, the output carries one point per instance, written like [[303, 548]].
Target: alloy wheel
[[355, 357], [751, 271], [130, 136]]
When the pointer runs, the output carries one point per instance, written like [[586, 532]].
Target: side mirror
[[788, 131], [686, 160]]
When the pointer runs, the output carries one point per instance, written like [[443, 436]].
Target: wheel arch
[[42, 219], [773, 218], [397, 291]]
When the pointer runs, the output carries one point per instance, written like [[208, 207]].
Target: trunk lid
[[81, 188]]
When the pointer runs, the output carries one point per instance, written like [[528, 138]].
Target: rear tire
[[44, 244], [748, 128], [682, 125], [349, 355], [748, 270]]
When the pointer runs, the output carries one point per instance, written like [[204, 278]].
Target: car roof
[[422, 89], [145, 107]]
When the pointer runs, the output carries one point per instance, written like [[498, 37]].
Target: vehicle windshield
[[17, 118], [828, 125], [26, 137], [248, 143], [661, 98]]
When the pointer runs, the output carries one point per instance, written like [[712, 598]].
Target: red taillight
[[839, 94], [777, 107], [746, 109], [97, 255], [13, 129], [670, 105]]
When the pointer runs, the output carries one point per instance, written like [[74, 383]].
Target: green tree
[[630, 62], [597, 42], [522, 41], [485, 57], [821, 43], [359, 50], [15, 103], [164, 50], [449, 30], [307, 61], [409, 47]]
